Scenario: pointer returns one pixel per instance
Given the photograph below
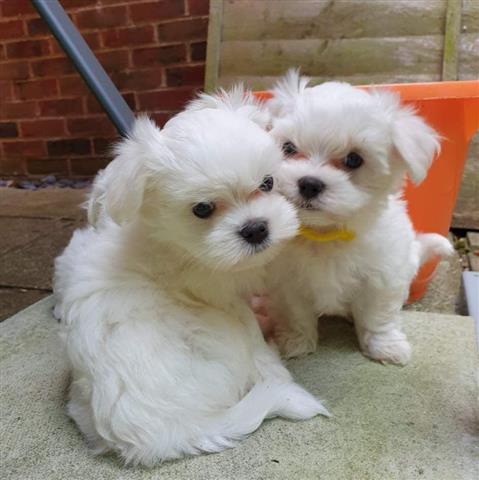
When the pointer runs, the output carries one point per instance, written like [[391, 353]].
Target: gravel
[[45, 182]]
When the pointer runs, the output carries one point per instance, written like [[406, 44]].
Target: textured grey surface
[[419, 421], [35, 226], [445, 292], [46, 203]]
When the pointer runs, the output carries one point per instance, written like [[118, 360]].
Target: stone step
[[416, 422]]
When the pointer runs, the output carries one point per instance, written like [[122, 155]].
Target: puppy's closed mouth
[[308, 206], [260, 247]]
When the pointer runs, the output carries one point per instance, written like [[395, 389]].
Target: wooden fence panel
[[358, 41]]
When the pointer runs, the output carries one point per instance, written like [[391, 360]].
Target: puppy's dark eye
[[353, 160], [289, 148], [267, 184], [203, 209]]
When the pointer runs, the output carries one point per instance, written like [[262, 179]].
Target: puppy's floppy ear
[[236, 99], [286, 92], [415, 142], [118, 190]]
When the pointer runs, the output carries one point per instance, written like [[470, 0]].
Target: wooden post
[[452, 33], [215, 30]]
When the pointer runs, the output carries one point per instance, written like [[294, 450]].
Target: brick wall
[[154, 52]]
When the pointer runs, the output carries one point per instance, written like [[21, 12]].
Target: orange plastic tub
[[452, 108]]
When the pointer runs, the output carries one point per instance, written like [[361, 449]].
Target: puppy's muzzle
[[310, 187], [255, 231]]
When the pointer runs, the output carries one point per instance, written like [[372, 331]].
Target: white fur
[[167, 357], [367, 278]]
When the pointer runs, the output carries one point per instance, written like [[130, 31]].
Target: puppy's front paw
[[391, 347], [295, 344]]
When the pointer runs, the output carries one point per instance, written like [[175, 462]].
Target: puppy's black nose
[[310, 187], [255, 231]]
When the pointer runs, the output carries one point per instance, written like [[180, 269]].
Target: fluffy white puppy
[[347, 152], [167, 357]]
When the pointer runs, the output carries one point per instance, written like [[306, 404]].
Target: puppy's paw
[[390, 347], [295, 344]]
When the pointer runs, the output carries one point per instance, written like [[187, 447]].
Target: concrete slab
[[19, 232], [46, 203], [35, 226], [473, 240], [31, 266], [445, 293], [473, 258], [12, 300], [417, 422]]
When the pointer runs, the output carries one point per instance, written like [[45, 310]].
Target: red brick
[[74, 4], [12, 8], [26, 148], [14, 71], [94, 107], [37, 26], [8, 130], [70, 146], [5, 91], [157, 10], [52, 67], [47, 166], [73, 86], [36, 89], [159, 55], [198, 51], [160, 118], [185, 75], [91, 38], [128, 36], [103, 146], [18, 110], [61, 107], [90, 126], [101, 17], [12, 166], [130, 100], [138, 80], [55, 47], [43, 128], [172, 99], [11, 30], [28, 48], [114, 60], [189, 29], [199, 7], [87, 166]]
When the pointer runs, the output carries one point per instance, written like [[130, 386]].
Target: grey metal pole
[[86, 63]]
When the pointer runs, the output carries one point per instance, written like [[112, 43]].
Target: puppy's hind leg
[[297, 403], [377, 320], [264, 400], [296, 331]]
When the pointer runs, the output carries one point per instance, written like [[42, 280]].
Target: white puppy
[[167, 357], [347, 152]]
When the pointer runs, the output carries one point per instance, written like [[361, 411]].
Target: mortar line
[[17, 287]]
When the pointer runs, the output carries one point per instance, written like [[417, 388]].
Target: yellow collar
[[328, 236]]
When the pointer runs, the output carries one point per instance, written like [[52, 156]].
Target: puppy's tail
[[433, 245], [264, 400]]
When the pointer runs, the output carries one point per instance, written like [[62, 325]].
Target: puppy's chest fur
[[333, 275]]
